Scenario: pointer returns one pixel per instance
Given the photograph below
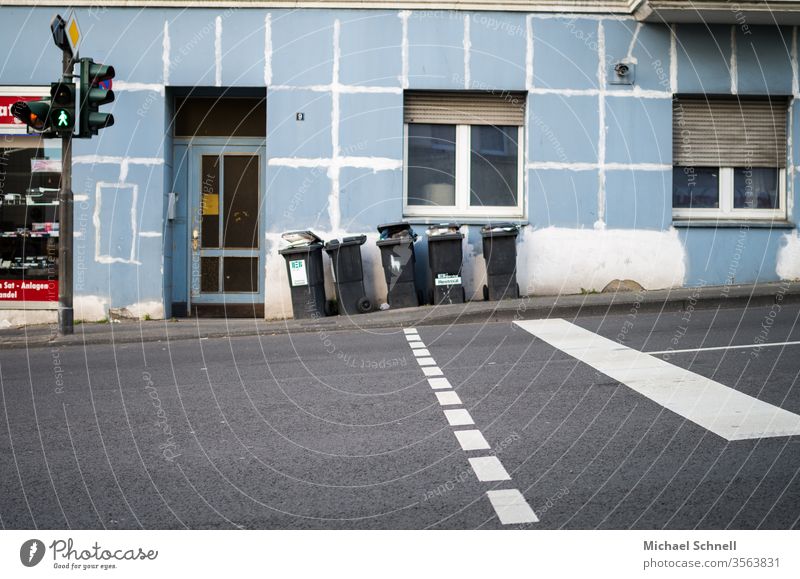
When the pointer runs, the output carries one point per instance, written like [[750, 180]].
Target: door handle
[[195, 239]]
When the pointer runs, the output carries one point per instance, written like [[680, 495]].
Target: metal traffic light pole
[[65, 235]]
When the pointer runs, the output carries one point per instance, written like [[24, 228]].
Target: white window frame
[[726, 210], [462, 207]]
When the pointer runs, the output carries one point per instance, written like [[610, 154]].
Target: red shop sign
[[28, 290]]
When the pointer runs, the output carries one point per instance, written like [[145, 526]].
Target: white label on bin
[[297, 268], [447, 279]]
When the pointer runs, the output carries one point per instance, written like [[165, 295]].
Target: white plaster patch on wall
[[404, 15], [165, 50], [218, 51], [374, 163], [19, 318], [467, 47], [90, 308], [112, 160], [601, 139], [374, 279], [529, 52], [788, 259], [153, 309], [634, 38], [673, 59], [121, 85], [795, 83], [554, 261], [268, 49], [277, 294], [734, 65], [473, 269], [97, 222], [149, 234]]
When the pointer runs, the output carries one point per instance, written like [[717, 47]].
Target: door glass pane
[[241, 274], [755, 188], [240, 200], [494, 166], [695, 187], [209, 189], [209, 274], [431, 165]]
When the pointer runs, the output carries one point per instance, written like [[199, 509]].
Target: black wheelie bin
[[500, 253], [306, 279], [398, 259], [444, 260], [348, 274]]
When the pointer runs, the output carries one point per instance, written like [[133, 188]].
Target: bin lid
[[397, 230], [443, 229], [296, 238], [334, 244], [505, 228], [305, 248]]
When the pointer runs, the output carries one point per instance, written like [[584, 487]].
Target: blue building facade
[[596, 193]]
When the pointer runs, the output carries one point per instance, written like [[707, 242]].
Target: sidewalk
[[567, 306]]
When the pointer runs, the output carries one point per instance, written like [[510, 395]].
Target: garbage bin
[[306, 280], [500, 253], [444, 260], [398, 259], [348, 274]]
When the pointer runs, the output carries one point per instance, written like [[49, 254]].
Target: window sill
[[738, 223], [419, 220]]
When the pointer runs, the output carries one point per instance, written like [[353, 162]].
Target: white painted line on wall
[[410, 331], [489, 468], [529, 52], [511, 507], [716, 348], [734, 65], [432, 371], [374, 163], [268, 49], [421, 352], [601, 138], [149, 234], [471, 440], [458, 417], [426, 361], [448, 398], [80, 197], [218, 51], [439, 383], [124, 86], [795, 84], [404, 15], [634, 38], [467, 46], [724, 411], [559, 166], [673, 59], [112, 160], [165, 49]]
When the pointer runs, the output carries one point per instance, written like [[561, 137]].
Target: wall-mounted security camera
[[622, 73]]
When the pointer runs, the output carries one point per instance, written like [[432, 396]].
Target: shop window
[[463, 154], [729, 158], [30, 175]]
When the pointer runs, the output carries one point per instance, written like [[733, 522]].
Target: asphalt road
[[343, 430]]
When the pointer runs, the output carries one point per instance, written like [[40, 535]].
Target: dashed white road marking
[[724, 411], [432, 370], [511, 507], [416, 345], [471, 440], [489, 468], [438, 383], [410, 331], [421, 352], [448, 398], [426, 361], [458, 417], [413, 338]]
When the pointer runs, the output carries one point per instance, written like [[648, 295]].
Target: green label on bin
[[297, 269]]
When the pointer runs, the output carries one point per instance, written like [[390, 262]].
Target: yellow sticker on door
[[297, 270]]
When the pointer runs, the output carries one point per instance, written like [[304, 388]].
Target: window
[[729, 158], [464, 155]]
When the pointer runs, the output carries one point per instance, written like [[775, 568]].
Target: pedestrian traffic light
[[62, 108], [93, 95]]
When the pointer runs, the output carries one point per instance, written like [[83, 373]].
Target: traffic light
[[62, 108], [93, 95], [35, 114]]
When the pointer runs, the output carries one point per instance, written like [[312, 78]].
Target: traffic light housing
[[35, 114], [93, 95], [62, 108]]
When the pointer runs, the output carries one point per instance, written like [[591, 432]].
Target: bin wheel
[[518, 294], [363, 305], [486, 293]]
